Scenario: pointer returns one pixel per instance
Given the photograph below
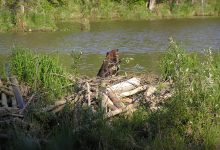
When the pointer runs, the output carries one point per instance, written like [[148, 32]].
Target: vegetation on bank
[[41, 72], [42, 15], [188, 120]]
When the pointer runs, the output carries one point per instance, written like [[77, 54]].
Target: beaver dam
[[114, 95]]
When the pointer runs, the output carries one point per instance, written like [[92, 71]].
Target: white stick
[[150, 91], [121, 110], [132, 92], [88, 91], [107, 102], [125, 85], [4, 100]]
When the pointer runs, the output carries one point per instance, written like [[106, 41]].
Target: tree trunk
[[17, 92], [151, 4]]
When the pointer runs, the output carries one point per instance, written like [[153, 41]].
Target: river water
[[144, 41]]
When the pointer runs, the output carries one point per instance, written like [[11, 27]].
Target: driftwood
[[55, 106], [4, 100], [106, 102], [88, 92], [125, 85], [132, 92], [116, 95], [17, 92], [14, 102], [114, 98], [121, 110], [7, 91]]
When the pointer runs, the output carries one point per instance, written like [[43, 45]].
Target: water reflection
[[128, 36]]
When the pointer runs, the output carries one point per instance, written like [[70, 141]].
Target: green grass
[[42, 72]]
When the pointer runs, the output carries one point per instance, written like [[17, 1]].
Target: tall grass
[[42, 72]]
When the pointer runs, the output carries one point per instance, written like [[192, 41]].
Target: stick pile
[[115, 95], [11, 102]]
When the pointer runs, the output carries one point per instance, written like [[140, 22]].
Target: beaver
[[110, 65]]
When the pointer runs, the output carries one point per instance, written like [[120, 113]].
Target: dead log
[[126, 100], [14, 102], [6, 91], [150, 91], [58, 109], [121, 110], [56, 105], [1, 84], [125, 85], [89, 93], [4, 100], [17, 92], [115, 98], [132, 92], [106, 102]]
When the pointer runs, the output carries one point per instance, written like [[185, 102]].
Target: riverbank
[[44, 16]]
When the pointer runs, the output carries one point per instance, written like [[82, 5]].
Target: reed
[[42, 72]]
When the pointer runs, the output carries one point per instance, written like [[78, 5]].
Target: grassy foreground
[[188, 120], [42, 15]]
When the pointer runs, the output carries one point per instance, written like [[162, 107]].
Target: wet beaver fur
[[110, 65]]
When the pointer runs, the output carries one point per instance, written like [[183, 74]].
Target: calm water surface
[[142, 40]]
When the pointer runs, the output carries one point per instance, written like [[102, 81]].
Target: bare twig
[[121, 110], [89, 93], [28, 103]]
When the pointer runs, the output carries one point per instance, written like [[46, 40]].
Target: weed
[[75, 59]]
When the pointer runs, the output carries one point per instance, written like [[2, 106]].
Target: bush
[[194, 108]]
